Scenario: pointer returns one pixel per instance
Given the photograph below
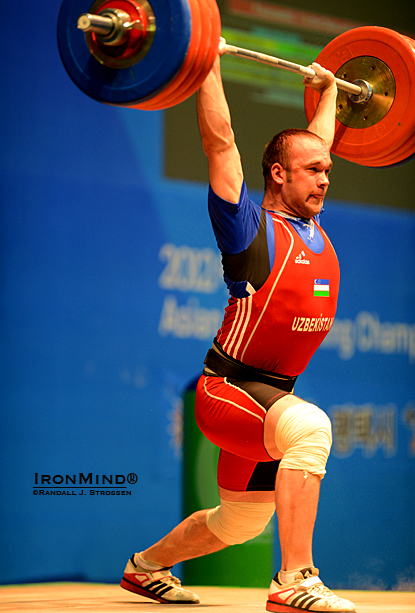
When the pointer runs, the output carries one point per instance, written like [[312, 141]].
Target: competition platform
[[87, 597]]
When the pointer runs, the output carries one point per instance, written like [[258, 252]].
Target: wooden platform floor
[[87, 597]]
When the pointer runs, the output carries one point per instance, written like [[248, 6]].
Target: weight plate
[[200, 55], [206, 28], [386, 135], [402, 154], [380, 77], [404, 161], [136, 83], [161, 101], [212, 33]]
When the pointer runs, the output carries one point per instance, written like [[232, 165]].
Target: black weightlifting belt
[[224, 365]]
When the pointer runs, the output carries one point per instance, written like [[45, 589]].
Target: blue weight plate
[[139, 82]]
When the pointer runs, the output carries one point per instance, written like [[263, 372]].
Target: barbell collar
[[111, 27], [104, 25], [365, 94]]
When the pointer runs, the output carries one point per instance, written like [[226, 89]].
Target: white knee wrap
[[303, 435], [236, 522]]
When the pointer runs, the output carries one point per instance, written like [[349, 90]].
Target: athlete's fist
[[322, 80]]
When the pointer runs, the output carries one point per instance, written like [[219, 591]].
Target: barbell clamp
[[364, 95], [111, 26]]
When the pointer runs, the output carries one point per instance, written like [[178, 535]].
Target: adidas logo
[[300, 259]]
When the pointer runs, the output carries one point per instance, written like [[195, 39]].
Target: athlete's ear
[[277, 173]]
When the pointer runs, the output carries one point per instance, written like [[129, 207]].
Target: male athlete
[[283, 277]]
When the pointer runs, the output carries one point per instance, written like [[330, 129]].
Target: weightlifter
[[283, 277]]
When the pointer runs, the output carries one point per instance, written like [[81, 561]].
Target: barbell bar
[[153, 54], [360, 91]]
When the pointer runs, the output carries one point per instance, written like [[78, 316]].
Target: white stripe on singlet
[[238, 406]]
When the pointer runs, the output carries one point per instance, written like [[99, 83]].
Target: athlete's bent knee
[[236, 522], [303, 435]]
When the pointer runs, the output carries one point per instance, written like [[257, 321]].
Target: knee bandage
[[303, 435], [236, 522]]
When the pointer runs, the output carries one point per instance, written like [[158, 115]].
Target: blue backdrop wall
[[111, 293]]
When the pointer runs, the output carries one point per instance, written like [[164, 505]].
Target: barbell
[[154, 54]]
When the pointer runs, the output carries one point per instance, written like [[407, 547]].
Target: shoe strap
[[310, 582]]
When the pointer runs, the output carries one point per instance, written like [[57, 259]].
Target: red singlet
[[278, 328]]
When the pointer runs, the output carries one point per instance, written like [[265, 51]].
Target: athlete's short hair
[[278, 150]]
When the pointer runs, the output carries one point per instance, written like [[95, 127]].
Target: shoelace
[[321, 590], [170, 580]]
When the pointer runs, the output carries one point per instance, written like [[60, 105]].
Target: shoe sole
[[137, 589], [279, 608], [275, 607]]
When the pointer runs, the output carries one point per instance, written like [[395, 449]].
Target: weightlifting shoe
[[306, 593], [159, 585]]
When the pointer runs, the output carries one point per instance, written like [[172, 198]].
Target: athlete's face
[[304, 184]]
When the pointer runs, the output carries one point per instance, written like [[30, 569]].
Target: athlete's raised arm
[[323, 122], [225, 168]]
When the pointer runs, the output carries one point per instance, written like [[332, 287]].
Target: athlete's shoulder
[[235, 224], [244, 202]]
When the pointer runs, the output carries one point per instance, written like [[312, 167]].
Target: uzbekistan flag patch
[[322, 287]]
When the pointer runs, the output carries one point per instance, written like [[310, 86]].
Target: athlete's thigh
[[231, 414], [237, 476]]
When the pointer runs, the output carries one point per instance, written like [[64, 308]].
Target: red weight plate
[[399, 155], [208, 53], [397, 126], [188, 87], [205, 53], [198, 42], [157, 102], [206, 44], [403, 152]]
